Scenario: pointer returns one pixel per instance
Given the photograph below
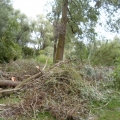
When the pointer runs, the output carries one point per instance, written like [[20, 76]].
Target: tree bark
[[62, 33], [8, 83], [55, 49]]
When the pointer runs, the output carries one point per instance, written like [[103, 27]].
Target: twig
[[61, 63], [25, 111], [45, 65], [101, 106], [33, 106]]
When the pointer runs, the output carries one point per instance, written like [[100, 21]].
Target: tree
[[43, 32], [5, 10], [8, 48], [81, 18], [23, 34], [8, 27], [108, 53], [80, 50], [62, 32]]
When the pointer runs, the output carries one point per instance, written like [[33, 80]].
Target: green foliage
[[109, 111], [9, 50], [45, 54], [44, 116], [5, 11], [23, 35], [107, 53], [43, 31], [43, 58], [48, 51], [27, 51], [80, 51]]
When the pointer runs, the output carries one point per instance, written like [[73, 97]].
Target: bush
[[8, 52], [42, 59], [27, 51], [107, 54]]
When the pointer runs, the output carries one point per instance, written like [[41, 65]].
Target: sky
[[30, 7]]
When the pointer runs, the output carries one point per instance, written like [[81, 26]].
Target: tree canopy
[[82, 17]]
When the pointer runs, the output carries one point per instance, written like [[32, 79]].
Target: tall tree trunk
[[62, 32]]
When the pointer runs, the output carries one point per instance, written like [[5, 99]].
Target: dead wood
[[28, 79], [2, 107], [8, 83], [43, 72], [8, 92]]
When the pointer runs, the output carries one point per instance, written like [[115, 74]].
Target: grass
[[109, 112], [9, 100], [45, 116], [110, 115], [42, 59], [39, 116]]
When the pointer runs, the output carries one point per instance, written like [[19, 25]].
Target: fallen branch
[[2, 107], [28, 79], [42, 73], [8, 92]]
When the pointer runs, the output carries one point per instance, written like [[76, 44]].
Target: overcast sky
[[30, 7]]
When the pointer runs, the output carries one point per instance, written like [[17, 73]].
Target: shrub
[[42, 59], [107, 54], [27, 51], [8, 52]]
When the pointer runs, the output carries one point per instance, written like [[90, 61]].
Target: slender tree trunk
[[62, 32], [55, 49]]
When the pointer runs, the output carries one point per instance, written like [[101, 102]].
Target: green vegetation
[[106, 53], [43, 59], [108, 111], [10, 99], [45, 116], [89, 85], [116, 75]]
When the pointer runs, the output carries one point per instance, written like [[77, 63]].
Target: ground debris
[[59, 90], [56, 91]]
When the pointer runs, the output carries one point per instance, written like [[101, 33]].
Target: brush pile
[[59, 90]]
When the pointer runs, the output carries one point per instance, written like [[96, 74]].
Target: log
[[8, 83]]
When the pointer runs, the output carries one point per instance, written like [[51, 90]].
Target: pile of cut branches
[[56, 90], [59, 90]]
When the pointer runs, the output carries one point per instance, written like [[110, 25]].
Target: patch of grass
[[39, 116], [45, 116], [1, 119], [9, 100], [111, 111], [110, 115]]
